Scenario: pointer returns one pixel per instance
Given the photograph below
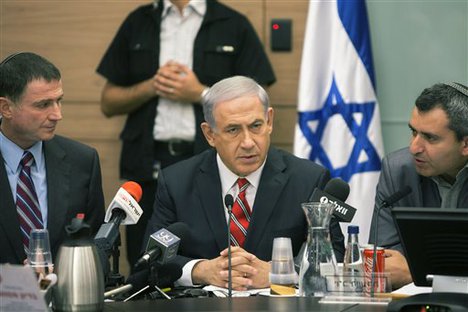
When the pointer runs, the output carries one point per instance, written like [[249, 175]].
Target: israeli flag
[[339, 120]]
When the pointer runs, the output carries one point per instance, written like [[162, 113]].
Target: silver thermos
[[80, 284]]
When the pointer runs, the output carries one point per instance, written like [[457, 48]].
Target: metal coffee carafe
[[80, 284]]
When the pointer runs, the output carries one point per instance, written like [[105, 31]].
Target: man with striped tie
[[45, 179], [268, 186]]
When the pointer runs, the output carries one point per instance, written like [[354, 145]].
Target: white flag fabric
[[338, 114]]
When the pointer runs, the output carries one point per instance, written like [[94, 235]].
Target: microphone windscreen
[[134, 189], [164, 276], [337, 188], [228, 200], [397, 196], [139, 279], [168, 274]]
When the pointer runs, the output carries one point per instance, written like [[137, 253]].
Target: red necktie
[[27, 204], [240, 215]]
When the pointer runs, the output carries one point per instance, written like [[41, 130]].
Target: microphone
[[390, 200], [139, 281], [123, 209], [172, 272], [336, 192], [163, 244], [229, 202], [387, 202]]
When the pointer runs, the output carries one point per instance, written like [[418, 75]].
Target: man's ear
[[465, 146], [208, 133], [5, 107], [270, 116]]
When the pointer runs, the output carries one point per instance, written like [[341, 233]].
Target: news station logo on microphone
[[167, 242], [127, 198], [343, 212]]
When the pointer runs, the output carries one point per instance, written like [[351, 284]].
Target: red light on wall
[[275, 26]]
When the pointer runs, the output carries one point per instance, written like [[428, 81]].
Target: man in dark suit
[[238, 125], [65, 174], [161, 61], [435, 166]]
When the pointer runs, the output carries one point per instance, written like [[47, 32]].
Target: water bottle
[[352, 264], [353, 268]]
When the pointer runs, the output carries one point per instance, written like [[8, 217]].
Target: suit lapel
[[58, 188], [208, 183], [272, 182], [8, 215]]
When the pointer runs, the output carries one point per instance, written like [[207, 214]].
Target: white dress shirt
[[176, 120], [12, 155]]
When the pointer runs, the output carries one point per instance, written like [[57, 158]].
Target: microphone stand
[[229, 252], [374, 249], [386, 203], [229, 202], [153, 281], [115, 278]]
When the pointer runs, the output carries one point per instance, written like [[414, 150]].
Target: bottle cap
[[353, 229]]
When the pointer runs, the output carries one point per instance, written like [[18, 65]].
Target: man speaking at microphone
[[268, 187], [45, 179], [434, 166]]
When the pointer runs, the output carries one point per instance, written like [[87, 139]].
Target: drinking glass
[[39, 255]]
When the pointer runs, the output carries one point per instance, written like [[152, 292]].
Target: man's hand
[[247, 270], [177, 82], [397, 266], [208, 272]]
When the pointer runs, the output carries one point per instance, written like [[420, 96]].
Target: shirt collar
[[199, 6], [12, 153], [461, 175], [228, 178]]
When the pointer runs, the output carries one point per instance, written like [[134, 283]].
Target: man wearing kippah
[[435, 166]]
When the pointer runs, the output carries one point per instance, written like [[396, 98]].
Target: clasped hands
[[247, 270], [177, 82]]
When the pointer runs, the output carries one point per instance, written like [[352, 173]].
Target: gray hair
[[229, 89], [452, 98]]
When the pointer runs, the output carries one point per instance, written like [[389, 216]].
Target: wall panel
[[74, 35]]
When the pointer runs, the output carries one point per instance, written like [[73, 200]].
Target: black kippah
[[458, 86]]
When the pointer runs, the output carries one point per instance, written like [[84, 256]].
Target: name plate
[[19, 290]]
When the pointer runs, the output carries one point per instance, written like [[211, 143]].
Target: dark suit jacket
[[73, 186], [190, 192], [398, 171]]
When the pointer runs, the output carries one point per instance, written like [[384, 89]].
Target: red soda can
[[379, 279]]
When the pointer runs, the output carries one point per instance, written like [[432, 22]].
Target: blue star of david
[[362, 143]]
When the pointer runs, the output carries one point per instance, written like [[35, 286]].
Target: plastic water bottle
[[352, 264], [353, 268]]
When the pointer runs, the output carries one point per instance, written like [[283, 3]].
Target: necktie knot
[[242, 183], [27, 159]]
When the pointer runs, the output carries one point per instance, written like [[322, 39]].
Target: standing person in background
[[159, 65], [435, 166], [45, 179]]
